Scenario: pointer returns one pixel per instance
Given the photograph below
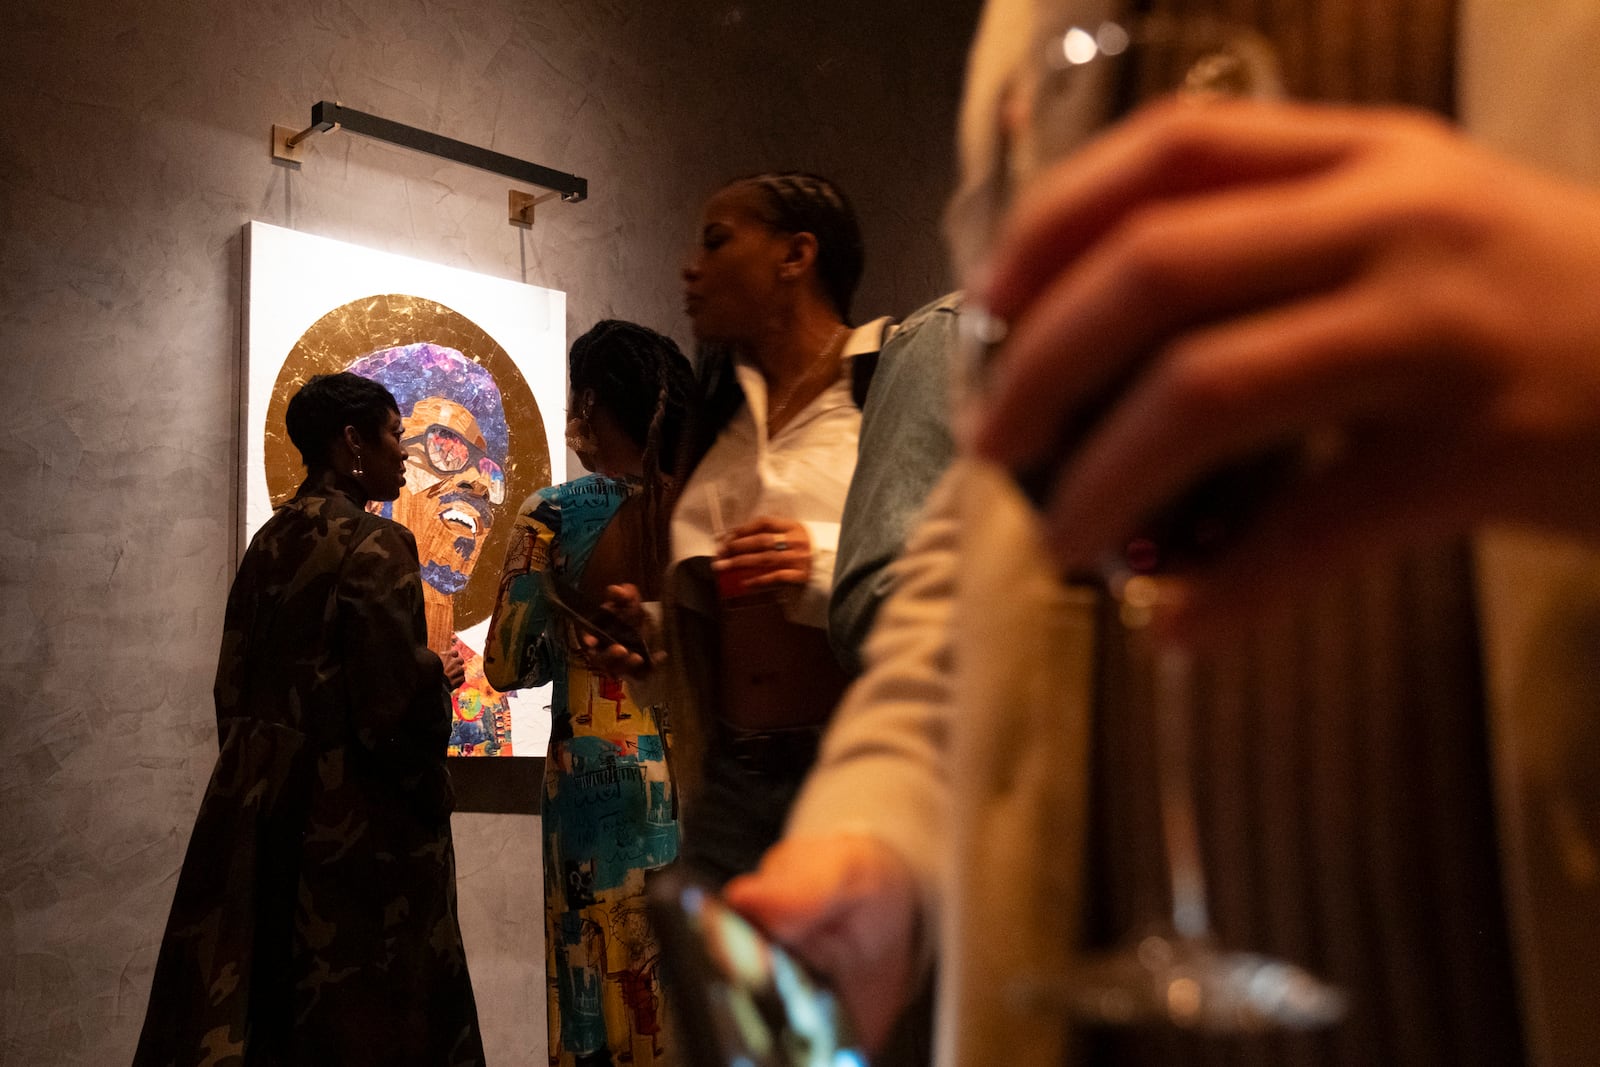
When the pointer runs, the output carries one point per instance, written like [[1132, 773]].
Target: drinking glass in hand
[[1173, 973]]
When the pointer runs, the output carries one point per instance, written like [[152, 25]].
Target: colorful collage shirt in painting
[[608, 810]]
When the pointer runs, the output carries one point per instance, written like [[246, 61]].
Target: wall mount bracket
[[327, 116]]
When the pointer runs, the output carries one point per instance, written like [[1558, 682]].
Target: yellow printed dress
[[608, 805]]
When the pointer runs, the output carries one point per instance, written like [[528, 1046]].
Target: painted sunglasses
[[447, 452]]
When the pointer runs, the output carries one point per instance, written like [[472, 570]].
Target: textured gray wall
[[133, 145]]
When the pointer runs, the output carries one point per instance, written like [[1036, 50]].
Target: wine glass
[[1174, 973]]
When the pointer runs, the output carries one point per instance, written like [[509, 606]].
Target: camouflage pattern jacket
[[314, 920]]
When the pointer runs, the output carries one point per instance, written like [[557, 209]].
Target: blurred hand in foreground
[[1216, 280], [847, 905]]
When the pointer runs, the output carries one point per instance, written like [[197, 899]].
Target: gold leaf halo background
[[389, 320]]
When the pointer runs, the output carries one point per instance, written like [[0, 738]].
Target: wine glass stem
[[1174, 689]]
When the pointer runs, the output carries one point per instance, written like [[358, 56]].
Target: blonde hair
[[1004, 68]]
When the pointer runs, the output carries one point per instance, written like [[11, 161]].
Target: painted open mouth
[[465, 518]]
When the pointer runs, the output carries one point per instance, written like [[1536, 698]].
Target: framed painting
[[477, 365]]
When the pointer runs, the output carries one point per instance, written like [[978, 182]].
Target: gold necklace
[[779, 406]]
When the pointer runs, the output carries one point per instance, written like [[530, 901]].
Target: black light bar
[[327, 115]]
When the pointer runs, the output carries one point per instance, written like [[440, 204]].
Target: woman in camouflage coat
[[315, 917]]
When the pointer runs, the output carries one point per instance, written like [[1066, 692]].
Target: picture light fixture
[[289, 146]]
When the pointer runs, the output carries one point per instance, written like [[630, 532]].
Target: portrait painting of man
[[477, 367], [455, 438]]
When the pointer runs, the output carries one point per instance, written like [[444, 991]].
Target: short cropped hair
[[326, 404]]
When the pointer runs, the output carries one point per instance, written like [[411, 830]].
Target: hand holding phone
[[589, 614], [850, 907], [741, 1000]]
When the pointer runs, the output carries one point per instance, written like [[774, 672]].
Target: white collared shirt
[[803, 473]]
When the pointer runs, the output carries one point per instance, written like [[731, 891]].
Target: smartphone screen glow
[[768, 1011]]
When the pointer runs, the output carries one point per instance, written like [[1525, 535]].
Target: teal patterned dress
[[608, 804]]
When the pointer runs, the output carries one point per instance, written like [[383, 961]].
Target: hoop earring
[[580, 437], [580, 433]]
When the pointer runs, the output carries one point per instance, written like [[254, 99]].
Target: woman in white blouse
[[768, 291]]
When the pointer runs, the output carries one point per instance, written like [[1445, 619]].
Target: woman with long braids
[[609, 806], [768, 292]]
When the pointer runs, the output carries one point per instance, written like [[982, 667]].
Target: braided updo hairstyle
[[797, 202], [642, 379], [790, 202]]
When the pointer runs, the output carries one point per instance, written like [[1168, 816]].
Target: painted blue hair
[[417, 371]]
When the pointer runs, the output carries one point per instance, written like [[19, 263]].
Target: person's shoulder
[[916, 357], [325, 530], [318, 516], [587, 484], [941, 311], [381, 526], [588, 487], [381, 535]]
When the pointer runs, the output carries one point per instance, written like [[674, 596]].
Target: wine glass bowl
[[1193, 984], [1160, 55]]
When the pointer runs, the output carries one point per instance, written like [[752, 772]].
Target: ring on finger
[[780, 545]]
